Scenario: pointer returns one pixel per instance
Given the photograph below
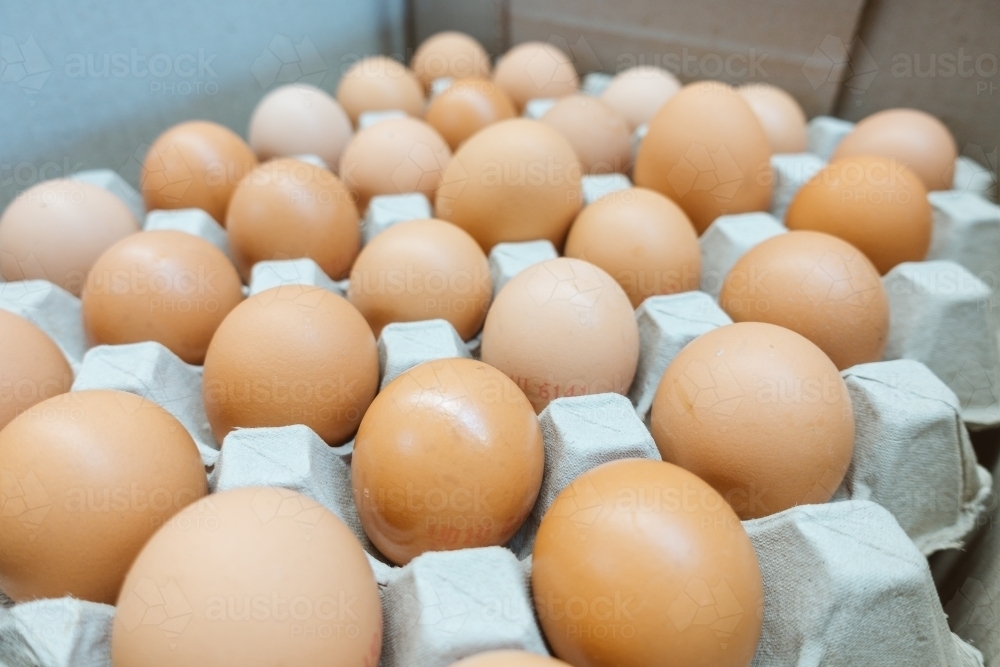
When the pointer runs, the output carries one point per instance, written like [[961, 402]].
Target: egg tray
[[847, 580]]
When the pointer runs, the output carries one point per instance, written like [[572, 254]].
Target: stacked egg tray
[[845, 583]]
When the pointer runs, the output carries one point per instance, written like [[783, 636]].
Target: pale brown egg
[[287, 209], [88, 477], [640, 563], [166, 286], [394, 156], [299, 119], [642, 239], [562, 328], [294, 354], [780, 115], [600, 136], [876, 204], [816, 285], [509, 658], [452, 54], [535, 69], [760, 413], [250, 576], [638, 92], [915, 138], [516, 180], [56, 230], [449, 456], [466, 107], [32, 367], [707, 151], [379, 83], [196, 164], [422, 270]]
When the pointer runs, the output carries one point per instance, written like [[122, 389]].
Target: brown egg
[[562, 328], [32, 368], [449, 456], [707, 151], [516, 180], [422, 270], [195, 165], [760, 413], [56, 230], [779, 113], [508, 658], [535, 69], [816, 285], [466, 107], [299, 119], [639, 563], [251, 576], [638, 92], [379, 83], [171, 287], [287, 209], [600, 136], [452, 54], [876, 204], [394, 156], [88, 476], [915, 138], [294, 354], [644, 240]]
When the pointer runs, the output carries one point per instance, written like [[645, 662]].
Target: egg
[[32, 368], [816, 285], [394, 156], [876, 204], [638, 92], [706, 150], [250, 576], [422, 270], [294, 354], [288, 209], [55, 230], [452, 54], [88, 477], [562, 328], [466, 107], [516, 180], [165, 286], [915, 138], [509, 658], [379, 83], [782, 118], [449, 456], [760, 413], [642, 239], [600, 136], [639, 563], [535, 69], [299, 119], [196, 164]]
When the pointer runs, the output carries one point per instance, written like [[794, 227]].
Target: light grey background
[[62, 111]]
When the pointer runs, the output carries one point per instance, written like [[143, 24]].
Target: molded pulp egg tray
[[846, 583]]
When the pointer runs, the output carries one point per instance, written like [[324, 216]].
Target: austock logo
[[702, 605], [704, 170], [283, 61], [835, 62], [24, 498], [23, 64], [575, 282]]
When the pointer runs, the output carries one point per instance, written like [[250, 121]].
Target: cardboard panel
[[801, 46], [942, 57]]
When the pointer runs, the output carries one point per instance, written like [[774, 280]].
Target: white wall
[[61, 110]]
